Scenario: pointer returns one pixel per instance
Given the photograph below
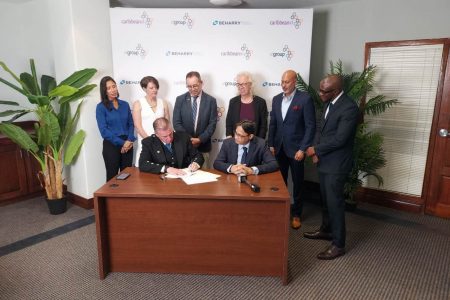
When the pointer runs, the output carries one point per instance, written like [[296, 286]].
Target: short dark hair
[[194, 74], [147, 79], [103, 95], [248, 126], [161, 124]]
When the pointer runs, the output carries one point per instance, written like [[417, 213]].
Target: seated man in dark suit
[[167, 151], [245, 153]]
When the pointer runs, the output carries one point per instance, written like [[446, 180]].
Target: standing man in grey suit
[[333, 154], [291, 131], [245, 153], [195, 113]]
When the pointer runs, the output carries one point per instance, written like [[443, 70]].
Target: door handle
[[443, 132]]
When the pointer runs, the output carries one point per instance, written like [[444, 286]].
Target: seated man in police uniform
[[245, 153], [167, 151]]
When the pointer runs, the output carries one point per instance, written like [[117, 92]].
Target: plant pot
[[57, 206]]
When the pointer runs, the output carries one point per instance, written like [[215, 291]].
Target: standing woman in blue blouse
[[115, 123]]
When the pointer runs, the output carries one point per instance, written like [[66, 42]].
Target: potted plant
[[53, 141], [368, 152]]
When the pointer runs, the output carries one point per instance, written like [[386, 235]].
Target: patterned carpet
[[391, 255]]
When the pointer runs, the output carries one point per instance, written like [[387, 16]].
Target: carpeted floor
[[391, 255]]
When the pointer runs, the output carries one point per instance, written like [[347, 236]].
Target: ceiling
[[249, 4]]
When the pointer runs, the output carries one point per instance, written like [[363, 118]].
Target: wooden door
[[437, 200]]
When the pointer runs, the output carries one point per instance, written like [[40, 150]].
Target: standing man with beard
[[291, 131]]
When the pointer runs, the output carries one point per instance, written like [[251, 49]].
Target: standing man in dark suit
[[291, 131], [245, 153], [333, 154], [195, 113], [167, 151]]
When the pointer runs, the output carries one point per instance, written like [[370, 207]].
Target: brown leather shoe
[[332, 252], [318, 235], [296, 224]]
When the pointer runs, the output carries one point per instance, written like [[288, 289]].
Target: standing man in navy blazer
[[195, 113], [291, 131], [333, 154]]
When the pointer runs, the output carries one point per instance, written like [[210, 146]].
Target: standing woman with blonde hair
[[246, 106], [146, 110], [115, 123]]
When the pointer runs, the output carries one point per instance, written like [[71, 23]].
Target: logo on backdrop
[[217, 140], [226, 22], [138, 51], [127, 82], [286, 53], [144, 20], [294, 20], [181, 53], [245, 52], [220, 111], [229, 83], [270, 84], [186, 21]]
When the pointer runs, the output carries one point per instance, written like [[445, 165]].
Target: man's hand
[[195, 142], [175, 171], [299, 155], [310, 151], [237, 169], [272, 150], [315, 159], [194, 167]]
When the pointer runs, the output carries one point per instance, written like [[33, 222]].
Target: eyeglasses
[[193, 87], [240, 135], [242, 84], [326, 92]]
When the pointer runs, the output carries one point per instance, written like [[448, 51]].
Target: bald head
[[330, 87], [288, 82]]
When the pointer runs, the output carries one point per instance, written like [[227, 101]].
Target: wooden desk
[[147, 224]]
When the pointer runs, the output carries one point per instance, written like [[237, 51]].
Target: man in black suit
[[291, 131], [333, 154], [167, 151], [195, 113], [245, 153]]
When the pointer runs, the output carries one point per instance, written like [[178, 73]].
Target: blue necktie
[[244, 156], [168, 147], [194, 109]]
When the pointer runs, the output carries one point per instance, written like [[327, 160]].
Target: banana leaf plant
[[53, 141], [368, 151]]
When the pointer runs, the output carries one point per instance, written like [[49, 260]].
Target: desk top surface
[[140, 184]]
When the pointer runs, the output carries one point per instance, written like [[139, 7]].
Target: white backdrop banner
[[218, 43]]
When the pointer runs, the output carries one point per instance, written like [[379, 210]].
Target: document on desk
[[196, 177]]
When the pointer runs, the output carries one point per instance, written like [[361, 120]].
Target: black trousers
[[114, 160], [333, 206], [297, 172]]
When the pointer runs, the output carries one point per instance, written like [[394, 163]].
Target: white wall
[[25, 34]]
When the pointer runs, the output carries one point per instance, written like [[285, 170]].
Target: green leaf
[[63, 116], [80, 94], [19, 136], [50, 120], [43, 135], [3, 65], [6, 102], [11, 112], [39, 100], [48, 83], [17, 116], [79, 78], [73, 147], [62, 91], [28, 81], [35, 78], [15, 87]]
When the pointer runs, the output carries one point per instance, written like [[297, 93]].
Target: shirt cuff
[[163, 169], [255, 170], [229, 169]]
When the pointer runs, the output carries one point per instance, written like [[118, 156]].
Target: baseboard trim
[[80, 201], [390, 199]]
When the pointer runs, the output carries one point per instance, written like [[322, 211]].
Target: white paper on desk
[[200, 176], [186, 171]]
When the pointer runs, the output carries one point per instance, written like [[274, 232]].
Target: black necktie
[[244, 156]]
